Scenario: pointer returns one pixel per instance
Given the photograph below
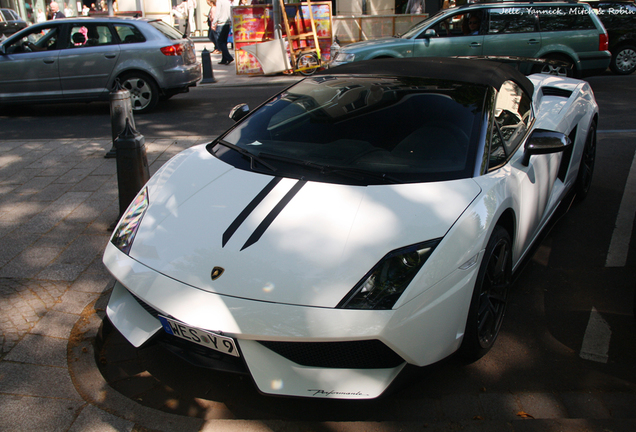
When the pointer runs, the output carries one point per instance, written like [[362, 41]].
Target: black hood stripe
[[227, 235], [260, 230]]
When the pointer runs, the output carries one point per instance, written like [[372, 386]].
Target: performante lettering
[[320, 392]]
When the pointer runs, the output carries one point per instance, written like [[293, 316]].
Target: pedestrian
[[41, 16], [55, 11], [222, 24], [212, 34], [415, 7], [192, 23], [68, 12]]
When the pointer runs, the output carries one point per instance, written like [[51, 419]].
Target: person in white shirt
[[68, 11], [41, 16], [222, 24]]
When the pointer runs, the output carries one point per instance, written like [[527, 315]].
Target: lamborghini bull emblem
[[217, 272]]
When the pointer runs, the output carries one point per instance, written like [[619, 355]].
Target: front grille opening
[[368, 354]]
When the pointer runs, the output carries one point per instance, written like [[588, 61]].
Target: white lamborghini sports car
[[365, 218]]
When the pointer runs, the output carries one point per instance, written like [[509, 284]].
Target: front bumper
[[421, 332]]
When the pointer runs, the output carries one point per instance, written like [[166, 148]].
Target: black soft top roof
[[477, 71]]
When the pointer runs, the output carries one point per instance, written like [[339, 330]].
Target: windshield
[[417, 28], [355, 130]]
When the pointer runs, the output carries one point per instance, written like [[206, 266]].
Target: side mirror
[[544, 142], [239, 111], [430, 33]]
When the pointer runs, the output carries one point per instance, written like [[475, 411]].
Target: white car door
[[533, 186]]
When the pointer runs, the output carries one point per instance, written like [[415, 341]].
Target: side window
[[90, 34], [511, 20], [615, 15], [6, 15], [565, 18], [129, 34], [43, 39], [512, 117], [464, 24]]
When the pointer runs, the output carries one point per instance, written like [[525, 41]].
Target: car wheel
[[488, 304], [144, 93], [624, 60], [586, 167], [308, 63], [566, 71]]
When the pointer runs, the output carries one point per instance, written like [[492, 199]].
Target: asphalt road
[[201, 112], [569, 327]]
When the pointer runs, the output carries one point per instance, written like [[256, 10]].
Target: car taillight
[[173, 50], [603, 42]]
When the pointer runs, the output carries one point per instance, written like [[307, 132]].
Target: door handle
[[533, 42], [475, 45], [48, 61], [110, 56]]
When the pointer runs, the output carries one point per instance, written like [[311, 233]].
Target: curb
[[94, 389]]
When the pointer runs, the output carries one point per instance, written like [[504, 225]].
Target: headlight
[[343, 57], [125, 233], [387, 280]]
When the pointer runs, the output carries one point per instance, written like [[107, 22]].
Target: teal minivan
[[569, 32]]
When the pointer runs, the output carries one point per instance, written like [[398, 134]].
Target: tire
[[586, 167], [568, 71], [624, 60], [144, 92], [490, 297], [309, 60]]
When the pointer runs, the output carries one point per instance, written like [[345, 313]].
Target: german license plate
[[202, 337]]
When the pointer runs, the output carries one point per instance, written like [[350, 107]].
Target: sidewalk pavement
[[57, 199], [226, 76]]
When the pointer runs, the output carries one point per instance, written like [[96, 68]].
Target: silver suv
[[569, 32], [79, 59]]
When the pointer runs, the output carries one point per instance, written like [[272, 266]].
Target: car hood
[[279, 239]]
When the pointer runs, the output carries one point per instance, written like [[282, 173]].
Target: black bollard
[[120, 111], [132, 165], [208, 73]]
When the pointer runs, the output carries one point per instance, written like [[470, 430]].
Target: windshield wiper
[[354, 173], [252, 157]]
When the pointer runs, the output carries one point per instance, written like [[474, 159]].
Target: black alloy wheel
[[490, 297]]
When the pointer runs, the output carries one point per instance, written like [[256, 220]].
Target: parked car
[[568, 32], [619, 19], [365, 218], [79, 59], [10, 22]]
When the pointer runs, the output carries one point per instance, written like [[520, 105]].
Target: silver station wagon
[[568, 32], [79, 59]]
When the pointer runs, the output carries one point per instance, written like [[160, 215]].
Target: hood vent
[[554, 91]]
